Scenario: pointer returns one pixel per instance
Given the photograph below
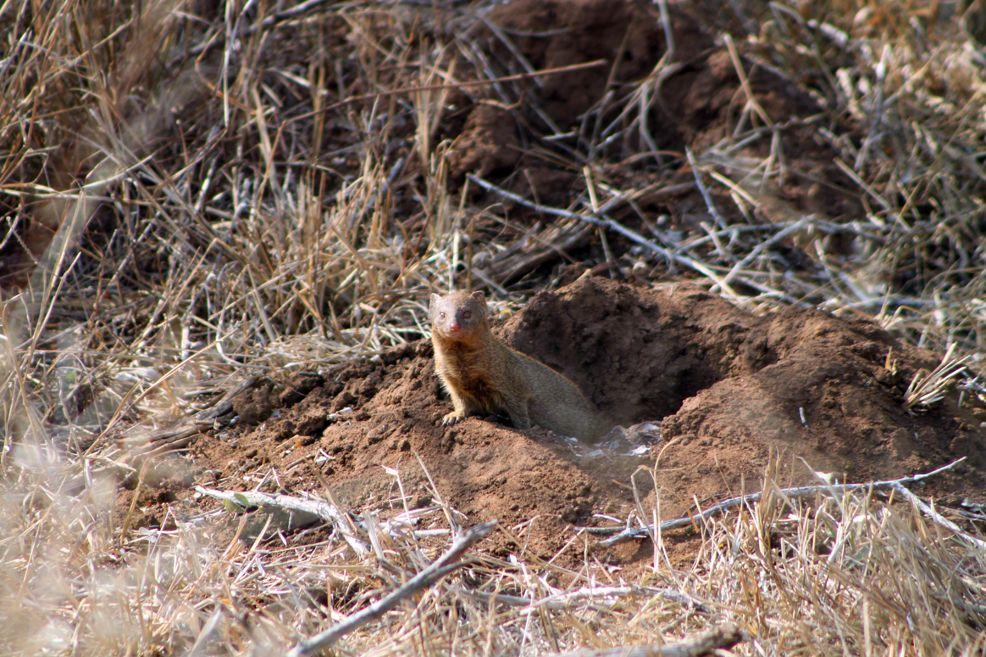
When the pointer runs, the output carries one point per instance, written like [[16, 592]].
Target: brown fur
[[484, 376]]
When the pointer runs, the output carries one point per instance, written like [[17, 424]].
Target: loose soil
[[729, 388]]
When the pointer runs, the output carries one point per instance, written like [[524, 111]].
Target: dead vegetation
[[193, 193], [847, 573]]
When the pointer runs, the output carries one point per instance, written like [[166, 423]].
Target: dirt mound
[[696, 100], [730, 387], [488, 143], [556, 33], [527, 35], [532, 35]]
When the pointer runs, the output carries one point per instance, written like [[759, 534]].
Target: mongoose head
[[458, 316]]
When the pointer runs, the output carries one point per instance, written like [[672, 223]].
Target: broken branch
[[442, 566], [718, 638], [725, 505], [318, 508]]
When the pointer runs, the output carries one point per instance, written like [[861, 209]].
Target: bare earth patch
[[728, 388]]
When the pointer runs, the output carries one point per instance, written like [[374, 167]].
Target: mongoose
[[485, 376]]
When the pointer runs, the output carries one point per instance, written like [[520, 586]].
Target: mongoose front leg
[[517, 409], [461, 409]]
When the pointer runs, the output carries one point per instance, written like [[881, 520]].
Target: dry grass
[[927, 388], [846, 575], [193, 192]]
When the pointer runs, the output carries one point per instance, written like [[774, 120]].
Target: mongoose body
[[484, 376]]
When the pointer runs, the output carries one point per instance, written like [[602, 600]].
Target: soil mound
[[729, 387], [696, 100], [556, 33]]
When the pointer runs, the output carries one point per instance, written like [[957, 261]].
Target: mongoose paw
[[452, 418]]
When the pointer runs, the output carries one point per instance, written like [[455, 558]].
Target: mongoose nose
[[454, 327]]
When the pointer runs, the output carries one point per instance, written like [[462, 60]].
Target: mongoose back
[[485, 376]]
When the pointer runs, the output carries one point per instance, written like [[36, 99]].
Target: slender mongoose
[[485, 376]]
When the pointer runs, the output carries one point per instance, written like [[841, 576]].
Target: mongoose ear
[[478, 296], [434, 301]]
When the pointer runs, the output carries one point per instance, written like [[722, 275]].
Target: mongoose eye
[[466, 314], [441, 315]]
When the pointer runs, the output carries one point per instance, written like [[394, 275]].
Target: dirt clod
[[487, 145], [622, 33]]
